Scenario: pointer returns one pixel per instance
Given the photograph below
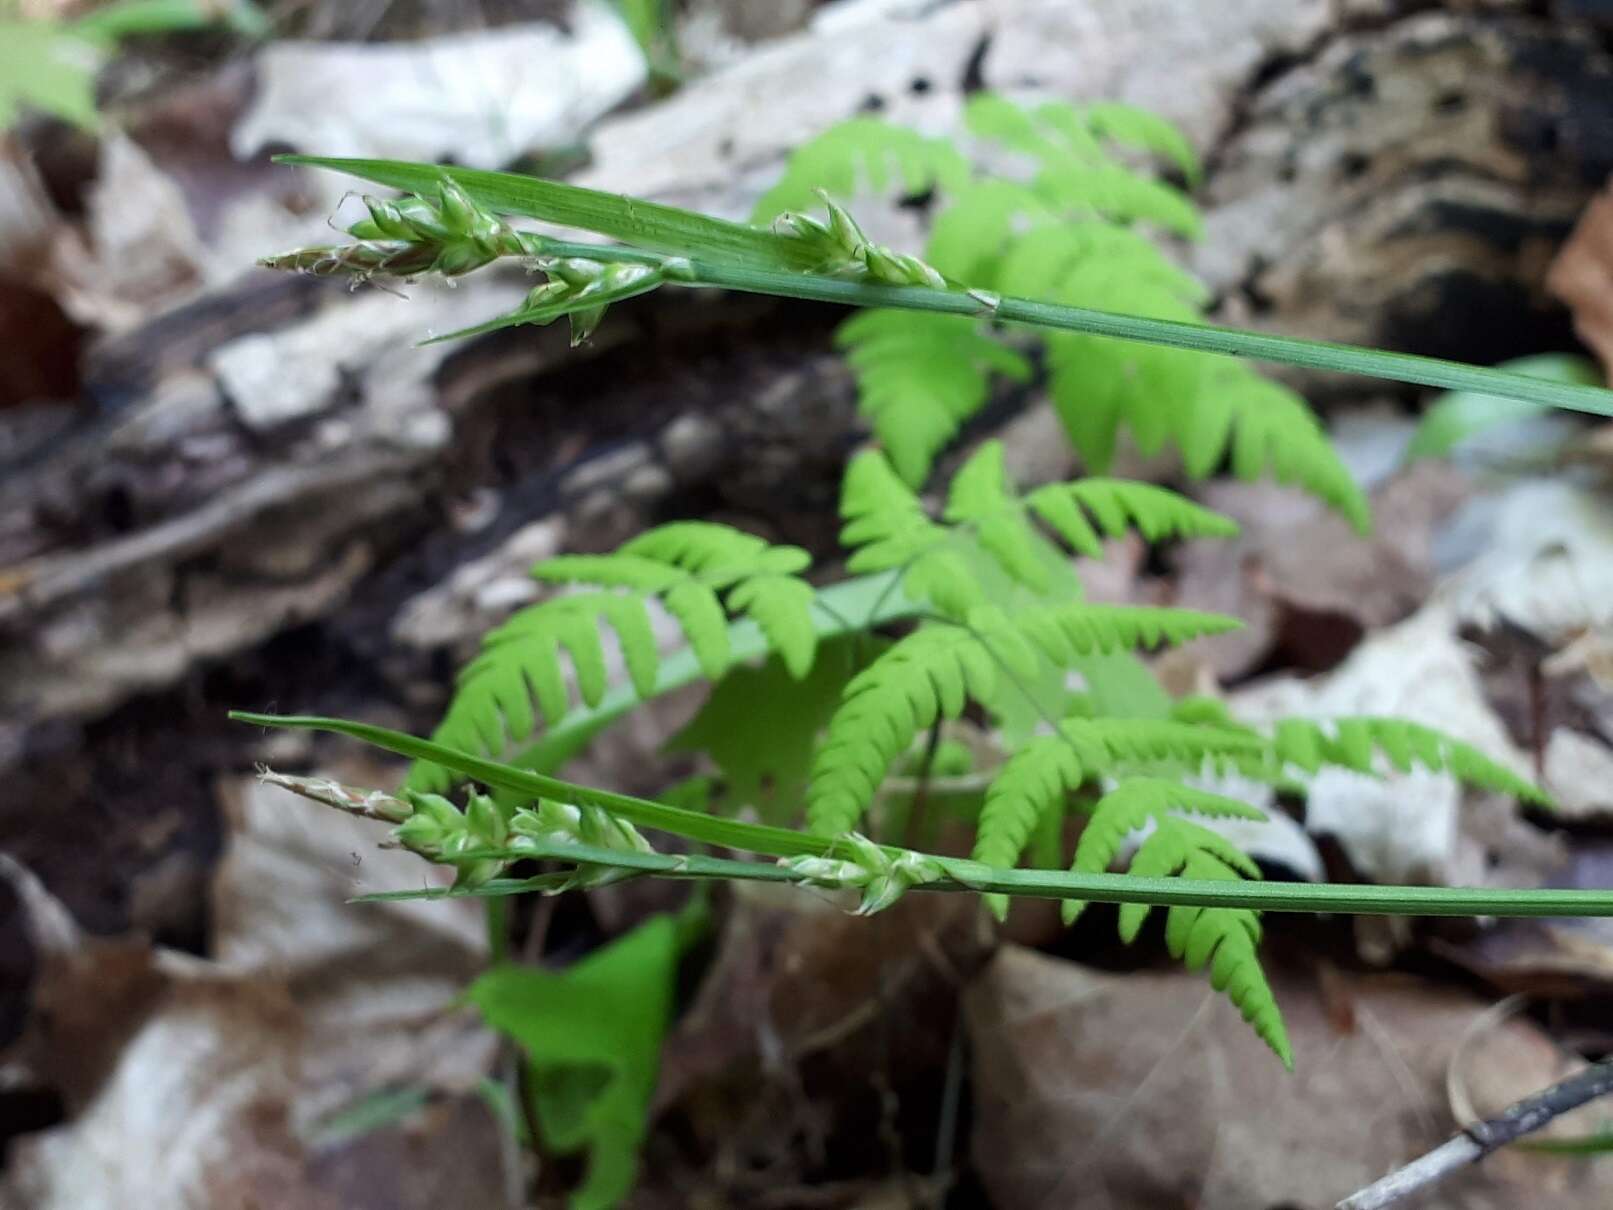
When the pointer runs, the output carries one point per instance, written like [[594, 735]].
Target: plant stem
[[1204, 338], [971, 876]]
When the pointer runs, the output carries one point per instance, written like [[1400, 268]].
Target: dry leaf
[[483, 99], [1582, 276], [1308, 586], [1126, 1092]]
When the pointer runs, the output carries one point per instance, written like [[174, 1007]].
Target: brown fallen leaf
[[1126, 1092], [811, 1026], [1582, 276], [210, 1083], [1307, 586]]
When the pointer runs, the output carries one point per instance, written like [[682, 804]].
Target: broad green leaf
[[1458, 416], [46, 67], [592, 1034], [633, 221], [128, 18]]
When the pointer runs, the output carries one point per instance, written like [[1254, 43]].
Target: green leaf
[[919, 377], [128, 18], [1459, 416], [592, 1034], [633, 221], [47, 67], [759, 726], [863, 153]]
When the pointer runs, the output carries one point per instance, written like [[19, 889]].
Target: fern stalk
[[957, 874]]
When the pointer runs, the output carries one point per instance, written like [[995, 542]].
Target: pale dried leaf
[[1118, 1092]]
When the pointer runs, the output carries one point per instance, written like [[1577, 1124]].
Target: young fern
[[887, 526], [699, 573], [934, 673], [1066, 234]]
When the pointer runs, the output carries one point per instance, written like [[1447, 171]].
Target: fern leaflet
[[699, 572], [919, 377], [934, 673], [1225, 938], [1039, 776], [887, 525], [863, 151]]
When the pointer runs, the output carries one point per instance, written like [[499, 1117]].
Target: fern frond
[[970, 235], [1116, 505], [1113, 192], [863, 153], [887, 525], [1140, 801], [1225, 938], [919, 377], [700, 573], [1039, 776], [1131, 127], [934, 673], [1058, 131], [1353, 742], [1066, 632], [930, 674]]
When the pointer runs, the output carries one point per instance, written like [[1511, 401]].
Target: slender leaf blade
[[633, 221]]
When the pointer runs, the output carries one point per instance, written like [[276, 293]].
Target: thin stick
[[1479, 1140]]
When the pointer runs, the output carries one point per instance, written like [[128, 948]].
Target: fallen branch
[[1479, 1140]]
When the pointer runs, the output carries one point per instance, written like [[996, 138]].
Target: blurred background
[[225, 488]]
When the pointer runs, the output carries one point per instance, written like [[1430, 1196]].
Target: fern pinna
[[996, 609], [1065, 228]]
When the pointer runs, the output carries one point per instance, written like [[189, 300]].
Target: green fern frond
[[887, 525], [1140, 801], [1039, 776], [1131, 127], [699, 572], [970, 235], [919, 377], [1116, 193], [1116, 505], [863, 153], [934, 673], [1058, 131], [1214, 412], [1352, 743], [1068, 631], [1225, 938], [930, 674]]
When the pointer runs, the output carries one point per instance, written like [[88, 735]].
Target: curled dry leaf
[[1582, 276], [1118, 1091]]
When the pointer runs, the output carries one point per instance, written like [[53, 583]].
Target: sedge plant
[[954, 657]]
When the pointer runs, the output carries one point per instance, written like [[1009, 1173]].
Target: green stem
[[960, 874], [1203, 338], [973, 877]]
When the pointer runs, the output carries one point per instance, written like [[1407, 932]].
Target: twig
[[1479, 1140]]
